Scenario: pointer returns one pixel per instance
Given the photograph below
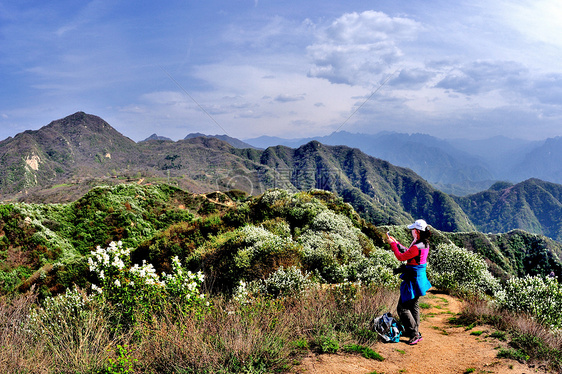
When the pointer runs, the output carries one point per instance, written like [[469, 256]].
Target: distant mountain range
[[61, 161], [458, 166]]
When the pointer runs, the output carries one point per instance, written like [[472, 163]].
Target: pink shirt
[[415, 255]]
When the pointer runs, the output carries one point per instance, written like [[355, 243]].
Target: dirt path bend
[[445, 349]]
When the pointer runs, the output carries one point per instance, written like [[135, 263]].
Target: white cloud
[[412, 78], [483, 76], [357, 47]]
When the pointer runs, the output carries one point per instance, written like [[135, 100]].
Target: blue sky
[[292, 69]]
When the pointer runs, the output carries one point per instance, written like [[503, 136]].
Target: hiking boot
[[415, 339]]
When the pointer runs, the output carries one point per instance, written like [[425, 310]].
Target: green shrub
[[364, 351], [456, 269], [300, 344], [123, 364], [328, 344], [537, 348], [8, 281], [513, 354], [500, 335]]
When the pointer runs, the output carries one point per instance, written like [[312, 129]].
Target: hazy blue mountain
[[271, 141], [501, 154], [543, 162]]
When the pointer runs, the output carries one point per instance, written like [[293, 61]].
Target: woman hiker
[[414, 278]]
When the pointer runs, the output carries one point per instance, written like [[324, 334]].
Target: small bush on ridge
[[456, 269]]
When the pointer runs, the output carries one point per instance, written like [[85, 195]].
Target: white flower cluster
[[34, 215], [329, 221], [252, 234], [332, 253], [181, 280], [370, 273], [259, 242], [112, 267], [539, 296], [60, 312], [241, 293], [110, 256], [147, 272]]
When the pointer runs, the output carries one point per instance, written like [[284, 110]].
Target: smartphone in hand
[[390, 238]]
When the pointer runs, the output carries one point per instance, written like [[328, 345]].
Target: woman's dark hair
[[424, 236]]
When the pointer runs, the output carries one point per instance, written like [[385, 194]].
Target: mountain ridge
[[81, 150], [456, 166]]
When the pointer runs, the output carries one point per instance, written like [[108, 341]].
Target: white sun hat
[[420, 224]]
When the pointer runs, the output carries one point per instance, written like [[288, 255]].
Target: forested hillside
[[229, 236], [533, 205]]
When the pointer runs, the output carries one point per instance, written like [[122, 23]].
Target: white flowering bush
[[327, 220], [454, 268], [538, 296], [270, 197], [57, 314], [332, 246], [376, 269], [72, 329], [261, 249], [138, 288], [35, 217], [253, 234], [283, 282], [286, 282]]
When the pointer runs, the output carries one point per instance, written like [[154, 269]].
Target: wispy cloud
[[286, 98]]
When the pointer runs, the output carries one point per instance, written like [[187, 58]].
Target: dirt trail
[[445, 349]]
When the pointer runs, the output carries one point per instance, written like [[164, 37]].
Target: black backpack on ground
[[388, 328]]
